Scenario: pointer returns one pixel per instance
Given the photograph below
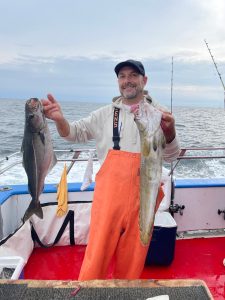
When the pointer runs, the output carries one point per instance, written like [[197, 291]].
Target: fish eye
[[31, 116]]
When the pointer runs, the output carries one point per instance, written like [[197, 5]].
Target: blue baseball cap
[[137, 65]]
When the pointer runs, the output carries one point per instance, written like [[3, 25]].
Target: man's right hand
[[52, 109]]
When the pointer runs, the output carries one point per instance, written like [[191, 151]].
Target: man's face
[[131, 83]]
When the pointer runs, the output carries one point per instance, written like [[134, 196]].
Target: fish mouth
[[33, 104], [34, 115]]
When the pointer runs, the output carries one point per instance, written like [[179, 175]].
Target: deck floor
[[200, 258]]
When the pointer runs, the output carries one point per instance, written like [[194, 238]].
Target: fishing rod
[[207, 45], [171, 90], [171, 164]]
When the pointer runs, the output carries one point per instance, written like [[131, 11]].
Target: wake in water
[[17, 174], [213, 168]]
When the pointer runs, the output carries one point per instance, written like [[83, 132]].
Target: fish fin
[[154, 144], [33, 209], [145, 238], [42, 137], [53, 163], [22, 147], [163, 142], [38, 211]]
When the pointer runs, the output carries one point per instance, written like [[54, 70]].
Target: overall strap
[[69, 219], [116, 137]]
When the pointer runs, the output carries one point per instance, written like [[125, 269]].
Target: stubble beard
[[133, 94]]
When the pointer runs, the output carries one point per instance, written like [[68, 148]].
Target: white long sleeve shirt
[[99, 126]]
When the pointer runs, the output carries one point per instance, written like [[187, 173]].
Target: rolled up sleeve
[[172, 150], [81, 131]]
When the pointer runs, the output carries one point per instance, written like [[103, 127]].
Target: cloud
[[70, 48], [94, 80]]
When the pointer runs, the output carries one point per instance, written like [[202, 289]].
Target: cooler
[[162, 246]]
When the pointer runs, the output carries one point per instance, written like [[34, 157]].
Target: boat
[[186, 257]]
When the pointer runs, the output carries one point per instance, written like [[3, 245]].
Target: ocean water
[[196, 128]]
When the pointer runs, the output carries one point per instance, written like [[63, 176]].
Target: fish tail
[[145, 238], [38, 211], [33, 209]]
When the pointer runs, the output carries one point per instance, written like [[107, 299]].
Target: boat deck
[[199, 258]]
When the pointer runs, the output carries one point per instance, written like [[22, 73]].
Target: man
[[114, 228]]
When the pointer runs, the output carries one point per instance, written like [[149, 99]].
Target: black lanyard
[[116, 137]]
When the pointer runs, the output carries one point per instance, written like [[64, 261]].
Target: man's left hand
[[168, 126]]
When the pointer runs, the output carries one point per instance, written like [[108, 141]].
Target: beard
[[130, 91]]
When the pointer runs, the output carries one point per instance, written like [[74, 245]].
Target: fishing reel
[[221, 212], [176, 208]]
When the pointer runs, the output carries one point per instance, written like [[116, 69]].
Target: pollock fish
[[38, 154], [152, 142]]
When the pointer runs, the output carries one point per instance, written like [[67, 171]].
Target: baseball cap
[[137, 65]]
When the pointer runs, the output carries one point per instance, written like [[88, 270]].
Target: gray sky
[[70, 48]]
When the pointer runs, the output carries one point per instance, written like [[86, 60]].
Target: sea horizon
[[212, 104]]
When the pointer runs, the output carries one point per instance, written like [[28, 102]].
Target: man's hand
[[168, 126], [52, 109]]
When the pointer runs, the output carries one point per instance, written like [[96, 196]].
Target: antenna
[[216, 70], [171, 92]]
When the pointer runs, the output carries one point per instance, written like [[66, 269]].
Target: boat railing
[[9, 156], [76, 157], [185, 155], [184, 150]]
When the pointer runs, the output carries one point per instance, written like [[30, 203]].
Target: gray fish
[[38, 155], [152, 142]]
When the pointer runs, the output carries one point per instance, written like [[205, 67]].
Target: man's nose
[[128, 78]]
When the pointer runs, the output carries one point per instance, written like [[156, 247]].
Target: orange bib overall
[[114, 228]]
